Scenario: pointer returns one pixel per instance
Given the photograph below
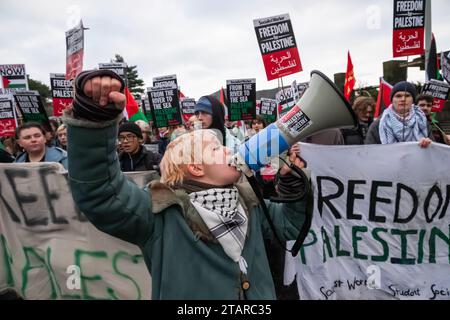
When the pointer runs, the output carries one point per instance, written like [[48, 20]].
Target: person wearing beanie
[[134, 156], [211, 113], [402, 121]]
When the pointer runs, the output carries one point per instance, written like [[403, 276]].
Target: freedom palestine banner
[[13, 77], [187, 108], [241, 95], [49, 250], [62, 93], [381, 226], [165, 81], [439, 90], [8, 119], [31, 107], [165, 106], [409, 27], [277, 45], [74, 51]]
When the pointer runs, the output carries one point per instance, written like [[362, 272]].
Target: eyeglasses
[[129, 137]]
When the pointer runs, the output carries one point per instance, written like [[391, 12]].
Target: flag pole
[[428, 35]]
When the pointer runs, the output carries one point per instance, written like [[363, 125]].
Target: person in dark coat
[[134, 156]]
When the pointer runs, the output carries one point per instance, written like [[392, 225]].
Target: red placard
[[7, 127], [59, 105], [282, 63], [438, 105], [408, 42], [74, 65]]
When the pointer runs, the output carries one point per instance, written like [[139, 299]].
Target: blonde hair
[[61, 128], [184, 150]]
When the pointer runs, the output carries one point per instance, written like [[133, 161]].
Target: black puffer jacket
[[143, 160]]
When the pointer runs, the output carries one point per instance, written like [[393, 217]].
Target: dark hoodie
[[218, 116]]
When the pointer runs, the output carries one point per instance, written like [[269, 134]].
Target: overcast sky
[[206, 42]]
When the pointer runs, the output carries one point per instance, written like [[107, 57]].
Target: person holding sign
[[425, 103], [31, 137], [174, 221], [211, 113], [402, 121]]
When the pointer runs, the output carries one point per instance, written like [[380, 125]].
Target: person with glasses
[[134, 156]]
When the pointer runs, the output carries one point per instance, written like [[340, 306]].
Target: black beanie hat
[[404, 86], [131, 127]]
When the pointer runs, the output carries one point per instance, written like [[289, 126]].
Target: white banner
[[381, 223], [48, 250]]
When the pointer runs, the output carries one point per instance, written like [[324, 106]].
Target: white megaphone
[[321, 107]]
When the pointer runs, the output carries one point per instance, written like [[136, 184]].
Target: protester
[[134, 156], [163, 139], [425, 103], [61, 134], [211, 113], [51, 139], [178, 131], [257, 125], [31, 137], [328, 137], [5, 156], [402, 121], [190, 124], [363, 108], [146, 131], [172, 220]]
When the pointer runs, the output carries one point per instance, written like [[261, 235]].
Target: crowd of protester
[[141, 146]]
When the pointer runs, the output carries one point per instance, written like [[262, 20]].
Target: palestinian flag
[[132, 111], [384, 98], [14, 82], [432, 69]]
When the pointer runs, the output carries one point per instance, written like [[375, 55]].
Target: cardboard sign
[[74, 51], [8, 119], [120, 68], [13, 77], [62, 93], [277, 45], [31, 107], [409, 26], [241, 95], [165, 106], [440, 92]]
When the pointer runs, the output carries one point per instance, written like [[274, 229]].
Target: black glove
[[84, 107]]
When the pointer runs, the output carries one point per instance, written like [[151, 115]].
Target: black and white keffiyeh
[[225, 218]]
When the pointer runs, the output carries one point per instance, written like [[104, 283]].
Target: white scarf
[[225, 218]]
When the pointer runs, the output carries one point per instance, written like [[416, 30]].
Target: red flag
[[349, 78], [384, 98]]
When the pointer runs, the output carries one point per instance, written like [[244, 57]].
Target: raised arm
[[99, 188]]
